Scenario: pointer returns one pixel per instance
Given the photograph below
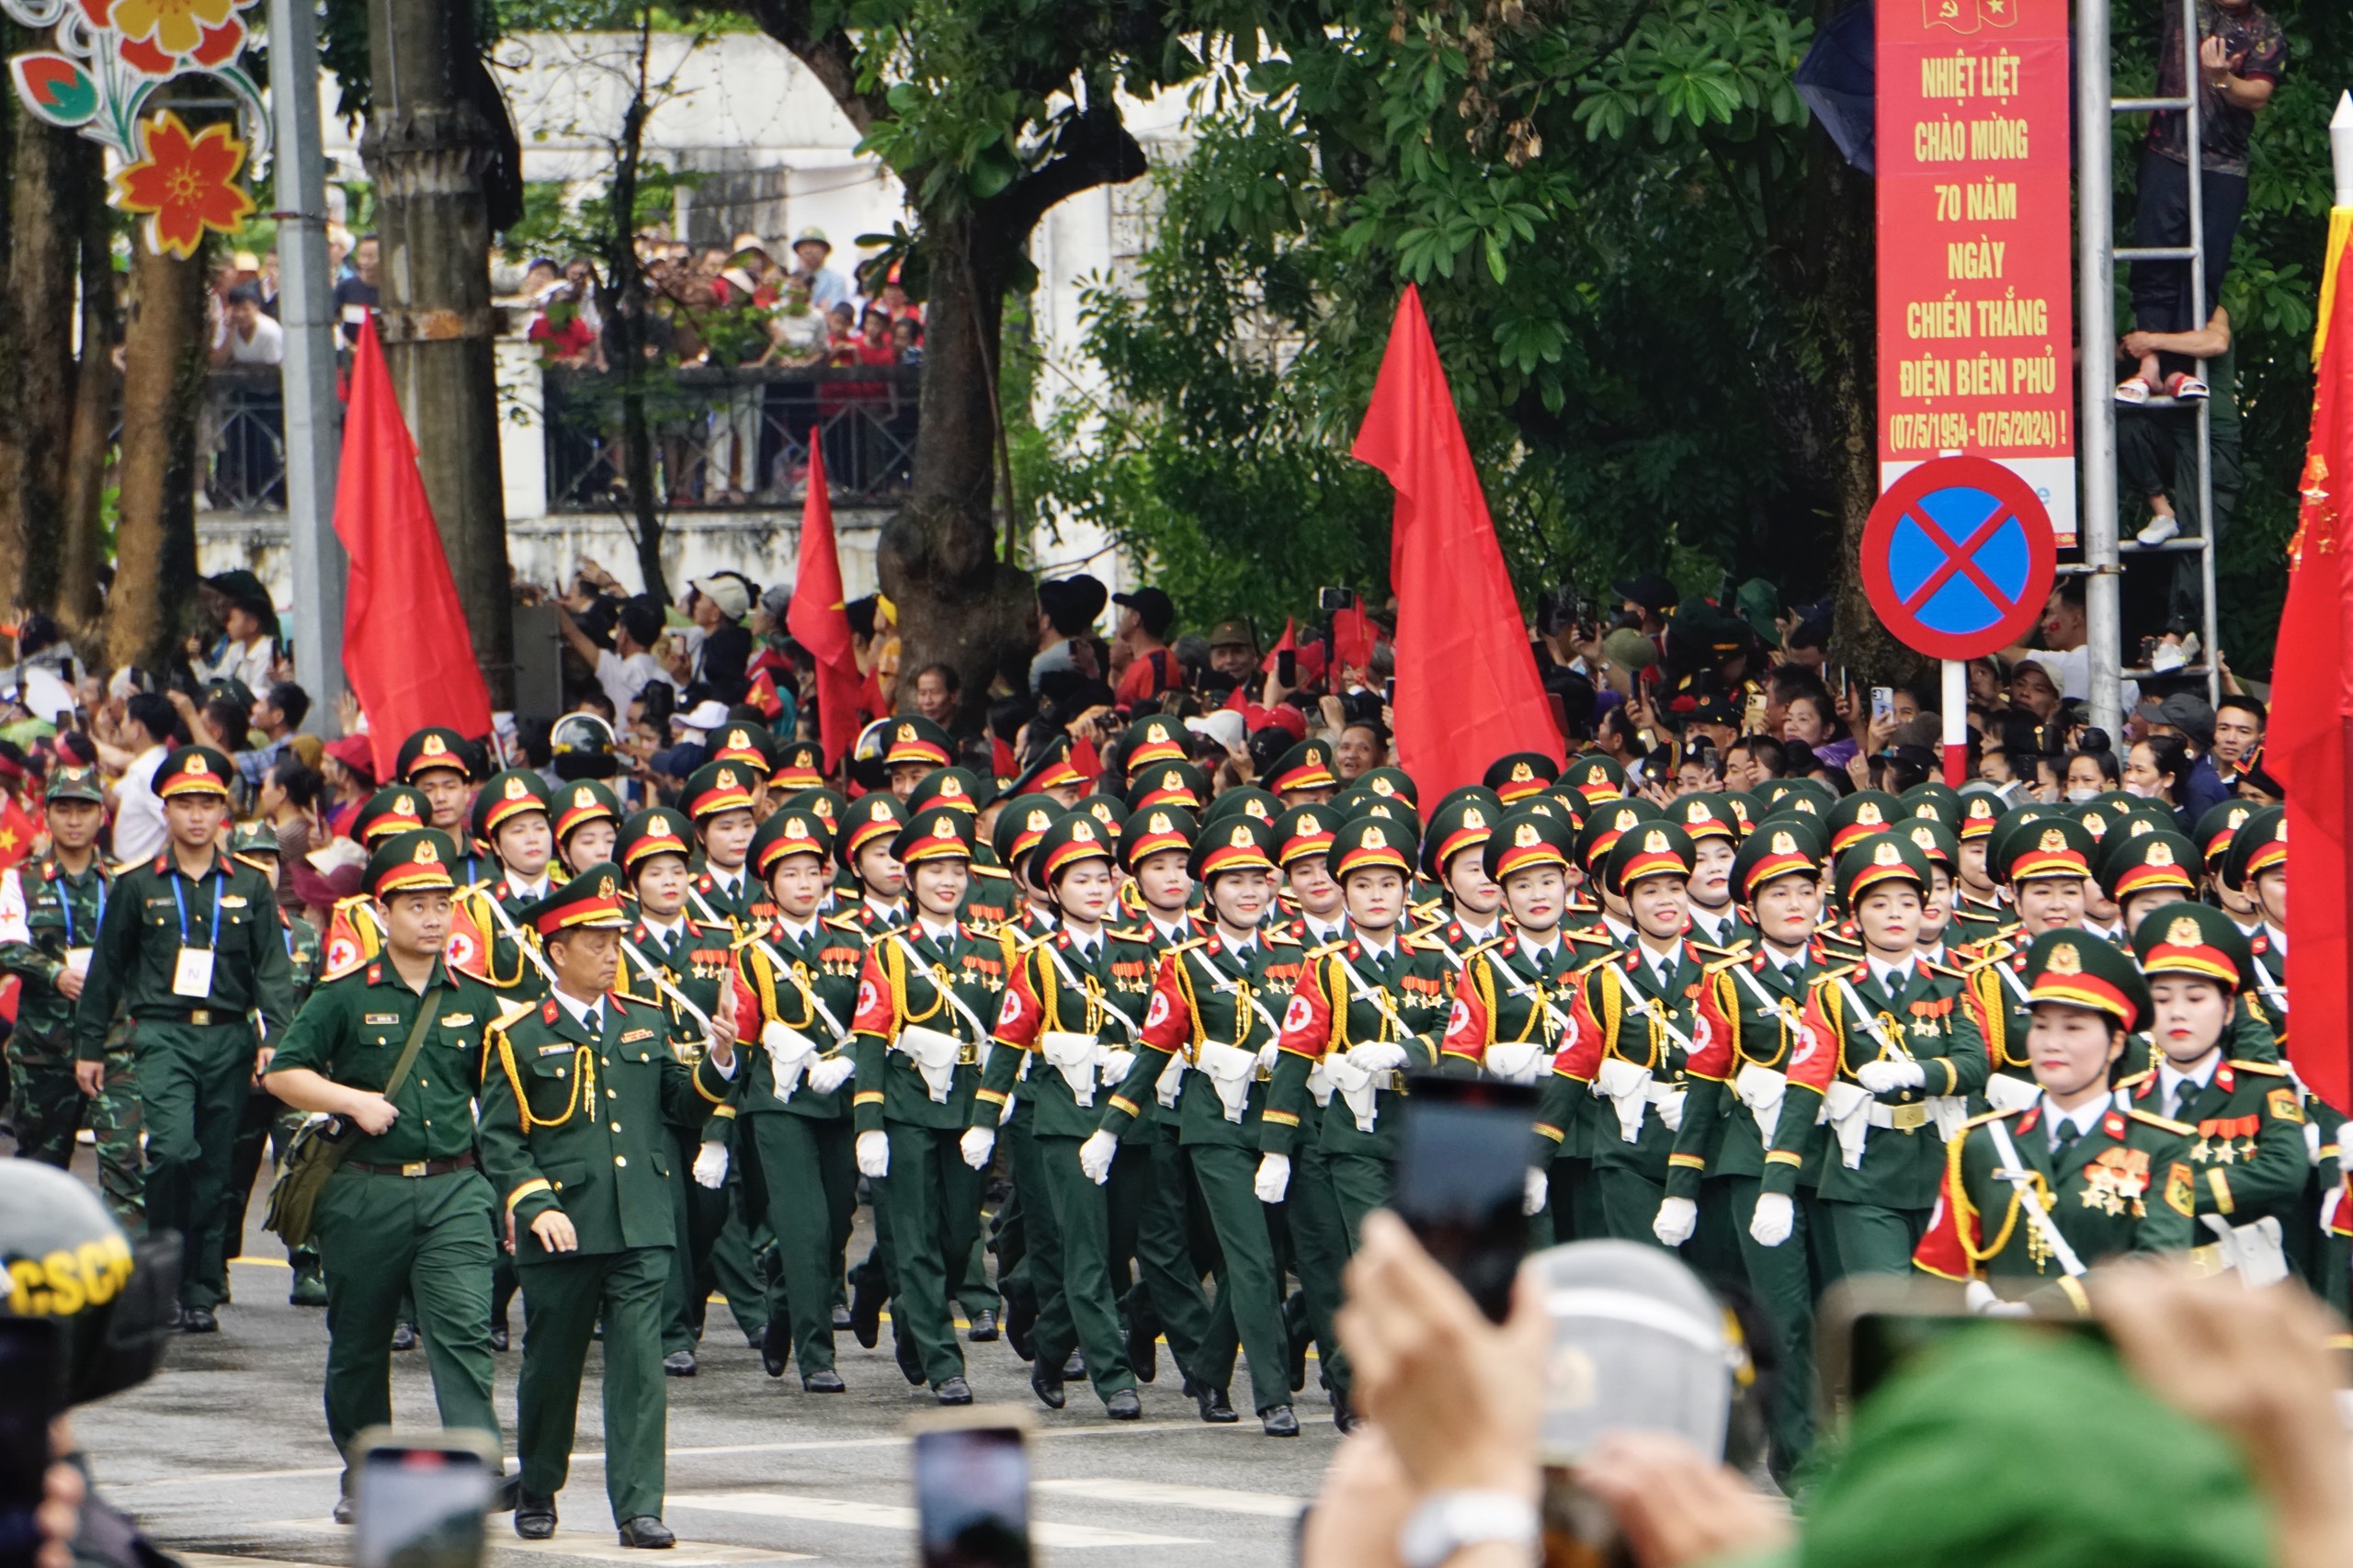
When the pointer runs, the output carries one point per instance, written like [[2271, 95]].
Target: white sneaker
[[2167, 655], [2163, 526]]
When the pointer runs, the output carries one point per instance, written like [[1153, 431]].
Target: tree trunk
[[37, 358], [625, 307], [428, 148], [154, 584], [80, 547]]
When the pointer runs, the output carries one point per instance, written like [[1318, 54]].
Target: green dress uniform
[[924, 995], [49, 921], [408, 1213], [574, 1114], [267, 1123], [188, 959], [797, 992]]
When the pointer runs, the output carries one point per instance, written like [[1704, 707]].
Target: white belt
[[2251, 1251], [1078, 1058], [935, 1055], [1632, 1091], [1229, 1070]]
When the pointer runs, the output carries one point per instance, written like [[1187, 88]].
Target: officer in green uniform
[[797, 992], [588, 818], [1453, 855], [672, 961], [1715, 833], [923, 997], [442, 763], [51, 908], [573, 1110], [718, 798], [1518, 777], [1029, 1248], [1977, 908], [1302, 776], [190, 947], [2045, 860], [1891, 1054], [1208, 1008], [914, 747], [408, 1211], [2032, 1199], [878, 903], [1073, 1001], [511, 814]]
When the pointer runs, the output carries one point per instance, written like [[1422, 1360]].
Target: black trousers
[[2160, 293]]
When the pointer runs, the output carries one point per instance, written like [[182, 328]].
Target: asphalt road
[[224, 1459]]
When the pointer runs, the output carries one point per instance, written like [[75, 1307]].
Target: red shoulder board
[[547, 1011], [2225, 1079], [2113, 1124]]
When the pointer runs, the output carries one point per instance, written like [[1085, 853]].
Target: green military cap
[[1746, 808], [250, 838], [1153, 830], [1933, 840], [1054, 770], [1156, 737], [2219, 826], [410, 860], [1518, 775], [1606, 824], [1461, 821], [69, 783], [914, 738], [2116, 801], [1810, 796], [1595, 777], [1388, 808], [1705, 815], [431, 748], [1934, 798], [1020, 825], [1859, 815], [1528, 838], [1306, 830], [1238, 842], [658, 830], [948, 787], [1393, 781], [580, 802], [1247, 799], [790, 830], [1647, 849], [800, 765], [506, 795], [2259, 845], [942, 833], [227, 688], [1108, 810], [2098, 815], [192, 770], [743, 743], [2143, 817], [719, 787], [1568, 801], [2132, 863], [1780, 846], [2196, 940], [589, 901], [1980, 806], [1073, 837], [1167, 783], [396, 808], [1880, 858], [1366, 844], [819, 801], [2043, 847], [2006, 826], [1307, 765], [870, 817], [2084, 970]]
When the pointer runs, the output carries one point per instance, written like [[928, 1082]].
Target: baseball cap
[[1638, 1343], [2184, 710], [1629, 649], [1649, 590], [728, 593], [1152, 606]]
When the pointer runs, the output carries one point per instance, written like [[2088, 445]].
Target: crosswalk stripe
[[891, 1517], [1174, 1495]]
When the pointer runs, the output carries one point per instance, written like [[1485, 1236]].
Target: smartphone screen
[[421, 1507], [31, 1351], [1462, 1152], [1883, 704], [973, 1498], [1287, 667]]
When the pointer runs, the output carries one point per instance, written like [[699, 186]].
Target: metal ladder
[[2104, 543]]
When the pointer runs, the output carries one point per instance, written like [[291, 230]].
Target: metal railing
[[241, 440], [732, 438]]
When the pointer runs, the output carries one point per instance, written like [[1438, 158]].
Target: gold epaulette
[[1424, 931], [2261, 1069], [1277, 937], [1933, 967], [2142, 1076], [1733, 959], [1592, 964], [1993, 1115], [1422, 942], [1962, 912], [2153, 1119], [1591, 936], [1329, 948], [1737, 950], [1133, 935], [508, 1012], [1187, 946], [1493, 944], [998, 872]]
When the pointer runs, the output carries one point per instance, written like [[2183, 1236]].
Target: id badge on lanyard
[[192, 970]]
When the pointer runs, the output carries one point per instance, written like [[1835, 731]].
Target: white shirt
[[937, 932], [1892, 977], [1476, 934], [248, 662], [666, 929], [265, 347], [517, 888], [1781, 963], [1541, 956], [1664, 965], [139, 830], [2085, 1116], [727, 881], [2171, 1091], [589, 1016], [1318, 933], [801, 933], [1171, 931], [624, 678], [1372, 950], [1620, 932], [2071, 670], [1087, 944], [893, 912], [1714, 925]]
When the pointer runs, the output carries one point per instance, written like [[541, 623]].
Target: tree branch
[[1094, 149], [831, 57]]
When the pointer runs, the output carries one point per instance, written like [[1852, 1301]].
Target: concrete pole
[[2095, 295], [426, 147], [306, 309], [2341, 147]]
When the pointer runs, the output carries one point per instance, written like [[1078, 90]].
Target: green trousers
[[44, 1102], [1321, 1242], [1576, 1203], [931, 1204], [1872, 1240], [710, 1254], [1630, 1203], [192, 1084], [117, 1119], [1249, 1292], [268, 1123], [1090, 1309], [383, 1236], [563, 1297], [1168, 1267], [1040, 1261], [809, 1176], [1780, 1280]]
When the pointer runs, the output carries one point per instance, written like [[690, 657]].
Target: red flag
[[819, 617], [1352, 637], [1086, 759], [2311, 726], [762, 695], [1289, 642], [405, 648], [17, 832], [1467, 691]]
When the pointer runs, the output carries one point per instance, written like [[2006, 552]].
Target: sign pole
[[1956, 721]]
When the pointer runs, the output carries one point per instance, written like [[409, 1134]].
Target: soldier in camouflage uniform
[[50, 910]]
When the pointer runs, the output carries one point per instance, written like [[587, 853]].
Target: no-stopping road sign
[[1958, 558]]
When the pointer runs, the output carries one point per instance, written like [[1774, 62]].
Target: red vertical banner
[[1976, 273]]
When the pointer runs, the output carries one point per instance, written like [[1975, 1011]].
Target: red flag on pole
[[2309, 743], [405, 648], [819, 617], [1467, 689]]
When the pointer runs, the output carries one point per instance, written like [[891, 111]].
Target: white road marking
[[891, 1517], [1174, 1495]]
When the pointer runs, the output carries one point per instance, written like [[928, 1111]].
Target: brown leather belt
[[414, 1167]]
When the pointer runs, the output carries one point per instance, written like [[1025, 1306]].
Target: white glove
[[1378, 1056], [711, 1165], [977, 1144], [1538, 1189], [1882, 1077], [2312, 1143], [1273, 1177], [1266, 1053], [2344, 1144], [830, 1073], [1117, 1065], [1775, 1218], [2329, 1202], [1095, 1155], [1677, 1218], [1980, 1298], [874, 1156]]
